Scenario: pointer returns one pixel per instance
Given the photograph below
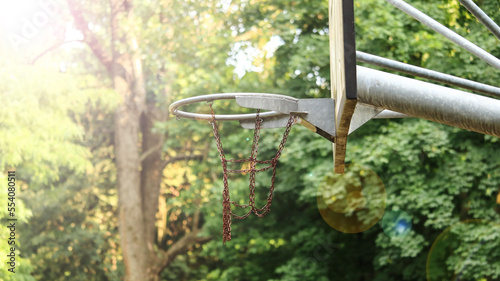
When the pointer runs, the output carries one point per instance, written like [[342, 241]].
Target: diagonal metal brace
[[317, 115]]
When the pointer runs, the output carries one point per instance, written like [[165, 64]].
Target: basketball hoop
[[315, 114], [252, 159], [227, 96]]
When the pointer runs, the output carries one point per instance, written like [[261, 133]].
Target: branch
[[181, 246], [52, 48], [196, 219], [198, 157], [150, 151], [89, 37]]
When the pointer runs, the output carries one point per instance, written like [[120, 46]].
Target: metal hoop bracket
[[315, 114]]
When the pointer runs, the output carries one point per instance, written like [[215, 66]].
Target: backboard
[[342, 73]]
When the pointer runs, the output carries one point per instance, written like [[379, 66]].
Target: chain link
[[227, 213]]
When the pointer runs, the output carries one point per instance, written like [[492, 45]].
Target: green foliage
[[433, 172], [468, 249], [60, 129], [66, 219], [74, 223], [34, 115], [437, 174]]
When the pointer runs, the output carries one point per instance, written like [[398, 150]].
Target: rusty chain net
[[227, 213]]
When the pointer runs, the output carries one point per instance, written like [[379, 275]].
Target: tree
[[438, 174], [146, 64], [139, 167]]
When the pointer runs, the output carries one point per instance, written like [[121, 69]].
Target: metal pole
[[482, 17], [436, 26], [429, 101], [428, 74]]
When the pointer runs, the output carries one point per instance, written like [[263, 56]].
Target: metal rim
[[174, 107]]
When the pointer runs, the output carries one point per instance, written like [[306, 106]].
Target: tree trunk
[[128, 82], [131, 222], [151, 175]]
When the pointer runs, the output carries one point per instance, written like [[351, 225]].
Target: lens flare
[[467, 250], [352, 202], [396, 223]]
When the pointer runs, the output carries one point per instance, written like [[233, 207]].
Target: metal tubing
[[482, 17], [428, 74], [429, 101], [443, 30]]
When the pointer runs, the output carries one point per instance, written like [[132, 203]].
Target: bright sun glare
[[25, 24], [13, 12]]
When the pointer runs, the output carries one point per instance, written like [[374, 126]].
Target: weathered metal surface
[[317, 115], [174, 107], [429, 101], [321, 115], [281, 104], [428, 74], [362, 114]]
